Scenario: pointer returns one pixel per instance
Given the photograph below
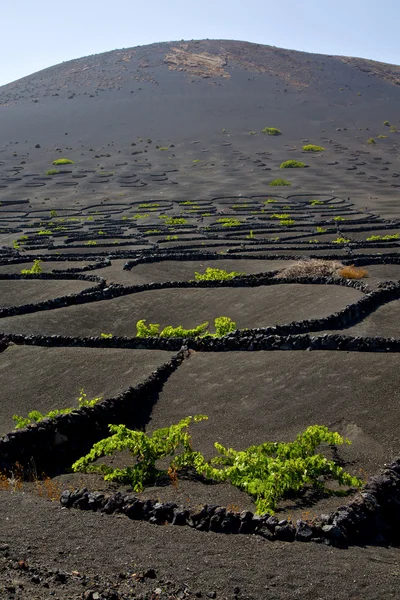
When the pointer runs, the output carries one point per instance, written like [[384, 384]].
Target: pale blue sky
[[41, 33]]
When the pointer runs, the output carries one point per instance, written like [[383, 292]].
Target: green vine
[[267, 472]]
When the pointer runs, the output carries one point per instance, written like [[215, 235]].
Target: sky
[[41, 33]]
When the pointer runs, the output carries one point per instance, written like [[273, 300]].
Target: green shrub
[[90, 243], [316, 202], [279, 182], [292, 164], [269, 201], [280, 216], [382, 137], [321, 230], [44, 232], [149, 205], [271, 131], [229, 222], [35, 416], [106, 336], [223, 325], [268, 472], [212, 274], [313, 148], [386, 123], [53, 172], [171, 238], [285, 222], [341, 240], [36, 269], [63, 161], [392, 129], [371, 141], [173, 220], [386, 238], [339, 218], [146, 451]]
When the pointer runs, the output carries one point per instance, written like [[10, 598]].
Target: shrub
[[269, 201], [292, 164], [171, 238], [90, 243], [321, 230], [149, 205], [316, 202], [352, 272], [63, 161], [44, 232], [386, 238], [212, 274], [173, 220], [267, 472], [36, 268], [229, 222], [382, 137], [271, 131], [313, 267], [371, 141], [340, 240], [386, 123], [280, 216], [392, 129], [145, 449], [53, 214], [313, 148], [338, 218], [285, 222], [53, 172], [279, 182], [35, 416], [223, 325], [106, 336]]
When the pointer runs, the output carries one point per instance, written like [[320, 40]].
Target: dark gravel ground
[[71, 554]]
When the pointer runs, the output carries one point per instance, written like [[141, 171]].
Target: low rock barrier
[[372, 517]]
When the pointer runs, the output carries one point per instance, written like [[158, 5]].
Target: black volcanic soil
[[166, 142], [247, 307]]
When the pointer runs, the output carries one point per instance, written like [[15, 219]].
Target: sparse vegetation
[[313, 148], [173, 220], [313, 267], [53, 172], [384, 238], [36, 268], [371, 141], [106, 336], [279, 182], [35, 416], [229, 222], [63, 161], [271, 131], [223, 326], [292, 164], [212, 274], [341, 240], [352, 272]]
